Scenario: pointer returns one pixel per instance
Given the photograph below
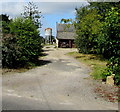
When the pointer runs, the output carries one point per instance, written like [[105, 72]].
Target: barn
[[65, 35]]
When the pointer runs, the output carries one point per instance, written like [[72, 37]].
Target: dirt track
[[61, 83]]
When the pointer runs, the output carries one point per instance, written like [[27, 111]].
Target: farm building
[[48, 35], [65, 35]]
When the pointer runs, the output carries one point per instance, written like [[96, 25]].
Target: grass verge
[[96, 62]]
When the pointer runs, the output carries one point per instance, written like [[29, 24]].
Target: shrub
[[23, 45], [113, 67], [87, 29], [111, 42], [11, 52], [99, 33]]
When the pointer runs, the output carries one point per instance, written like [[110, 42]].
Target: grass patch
[[96, 62]]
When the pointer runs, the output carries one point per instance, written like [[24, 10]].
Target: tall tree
[[31, 11], [87, 28], [103, 7], [66, 21]]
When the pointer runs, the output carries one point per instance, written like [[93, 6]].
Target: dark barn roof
[[65, 31], [65, 35], [65, 27]]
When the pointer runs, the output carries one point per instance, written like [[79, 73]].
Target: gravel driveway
[[61, 83]]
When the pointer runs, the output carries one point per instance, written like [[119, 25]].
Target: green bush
[[111, 42], [113, 67], [109, 39], [87, 29], [99, 33], [23, 45], [11, 52]]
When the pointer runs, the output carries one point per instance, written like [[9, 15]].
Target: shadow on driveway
[[43, 62]]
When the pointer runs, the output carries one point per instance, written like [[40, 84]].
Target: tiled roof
[[65, 31], [65, 35], [65, 27]]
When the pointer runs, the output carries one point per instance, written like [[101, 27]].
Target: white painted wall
[[48, 32], [57, 42]]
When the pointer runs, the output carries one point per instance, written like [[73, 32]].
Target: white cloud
[[12, 8], [60, 0], [53, 7], [16, 8], [43, 0], [3, 1]]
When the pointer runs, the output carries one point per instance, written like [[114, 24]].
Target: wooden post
[[70, 44]]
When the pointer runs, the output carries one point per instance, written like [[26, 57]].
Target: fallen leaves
[[110, 94]]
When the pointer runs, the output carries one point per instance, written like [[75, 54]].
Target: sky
[[51, 10]]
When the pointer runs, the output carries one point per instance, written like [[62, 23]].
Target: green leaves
[[23, 45], [31, 12], [97, 28], [66, 21], [113, 42], [87, 27], [21, 40]]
